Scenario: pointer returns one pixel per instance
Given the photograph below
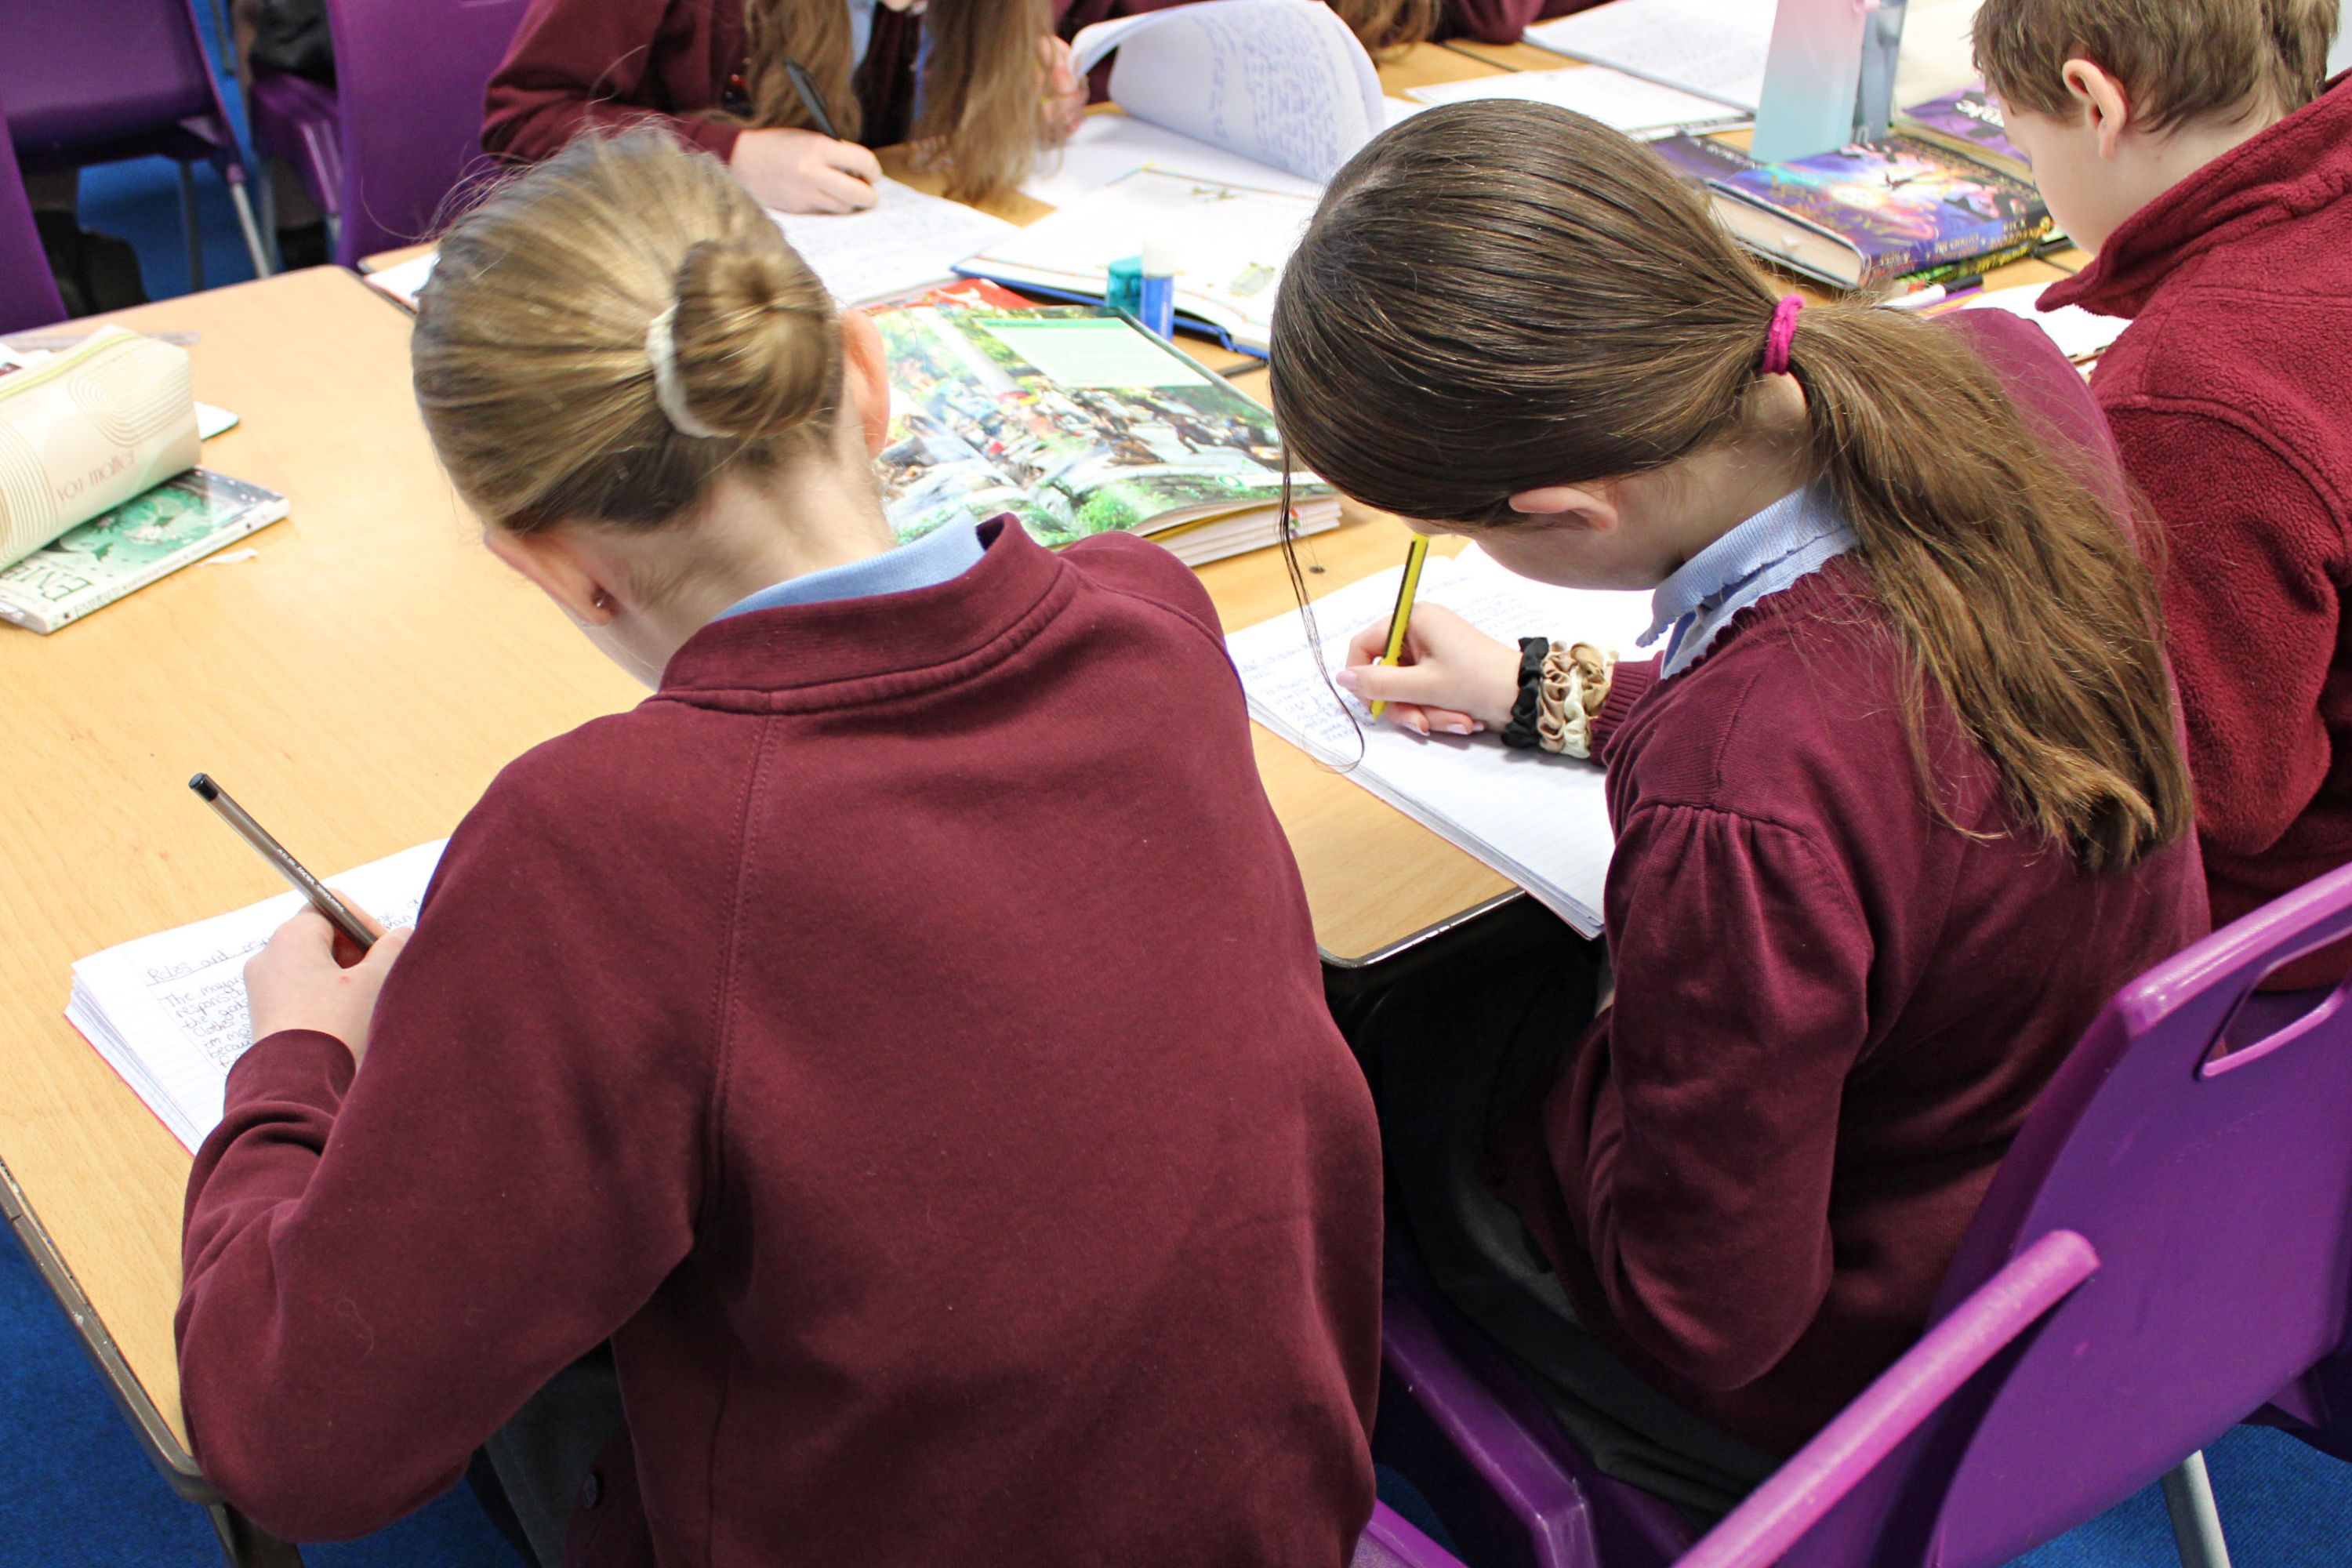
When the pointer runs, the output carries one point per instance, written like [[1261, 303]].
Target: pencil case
[[86, 430]]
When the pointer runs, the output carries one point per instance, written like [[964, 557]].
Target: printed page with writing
[[1543, 821], [167, 1011], [1280, 82]]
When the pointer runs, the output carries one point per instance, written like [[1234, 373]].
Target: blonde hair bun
[[535, 341], [756, 351]]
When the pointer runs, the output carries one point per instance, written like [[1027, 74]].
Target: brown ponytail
[[983, 85], [1494, 298], [529, 352]]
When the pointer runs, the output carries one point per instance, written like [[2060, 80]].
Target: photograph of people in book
[[1072, 419]]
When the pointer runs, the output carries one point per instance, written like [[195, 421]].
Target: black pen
[[338, 915], [811, 99]]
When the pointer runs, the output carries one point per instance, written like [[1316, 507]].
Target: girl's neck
[[752, 535], [1697, 500]]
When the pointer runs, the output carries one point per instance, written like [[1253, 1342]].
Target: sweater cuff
[[1628, 684], [713, 137], [301, 1065]]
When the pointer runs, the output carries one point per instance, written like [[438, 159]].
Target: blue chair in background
[[100, 80], [2165, 1251]]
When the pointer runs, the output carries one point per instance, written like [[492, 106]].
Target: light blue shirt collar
[[1794, 537], [861, 30], [939, 557]]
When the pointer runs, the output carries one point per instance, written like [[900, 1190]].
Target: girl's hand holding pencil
[[1451, 679]]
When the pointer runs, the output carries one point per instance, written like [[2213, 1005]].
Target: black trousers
[[1450, 1051], [528, 1474]]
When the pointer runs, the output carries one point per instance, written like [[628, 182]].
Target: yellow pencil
[[1403, 616]]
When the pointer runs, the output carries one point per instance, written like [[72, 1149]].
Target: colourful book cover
[[1075, 420], [1969, 121], [1890, 208]]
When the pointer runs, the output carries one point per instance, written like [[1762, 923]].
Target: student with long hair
[[901, 1035], [1898, 804], [977, 86]]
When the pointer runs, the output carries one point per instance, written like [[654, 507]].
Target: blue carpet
[[78, 1490]]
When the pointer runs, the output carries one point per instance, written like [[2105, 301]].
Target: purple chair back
[[96, 80], [2166, 1245], [29, 295], [2218, 1193], [410, 76]]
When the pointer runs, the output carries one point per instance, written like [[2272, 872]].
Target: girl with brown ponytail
[[1898, 803]]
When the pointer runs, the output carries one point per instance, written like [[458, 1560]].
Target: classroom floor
[[77, 1491]]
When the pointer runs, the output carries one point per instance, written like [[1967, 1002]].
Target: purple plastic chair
[[381, 151], [2167, 1247], [28, 294], [1391, 1541], [99, 80]]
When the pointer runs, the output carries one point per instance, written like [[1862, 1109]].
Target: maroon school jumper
[[575, 63], [902, 1036], [2231, 405], [1833, 1010]]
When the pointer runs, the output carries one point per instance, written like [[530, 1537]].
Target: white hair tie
[[668, 391]]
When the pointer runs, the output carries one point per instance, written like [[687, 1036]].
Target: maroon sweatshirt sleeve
[[1703, 1148], [2250, 554], [580, 63], [381, 1266]]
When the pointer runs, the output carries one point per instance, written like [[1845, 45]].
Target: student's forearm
[[259, 1430]]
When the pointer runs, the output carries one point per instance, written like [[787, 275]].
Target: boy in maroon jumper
[[2193, 145]]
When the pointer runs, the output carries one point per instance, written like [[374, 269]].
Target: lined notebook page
[[1712, 47], [904, 240], [168, 1011], [1543, 821]]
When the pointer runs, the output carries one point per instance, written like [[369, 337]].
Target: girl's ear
[[553, 559], [2100, 101], [865, 367], [1570, 506]]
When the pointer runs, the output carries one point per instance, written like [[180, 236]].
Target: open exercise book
[[1712, 47], [904, 242], [1540, 820], [167, 1011], [1272, 93]]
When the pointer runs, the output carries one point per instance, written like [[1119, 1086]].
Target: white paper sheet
[[903, 242], [1280, 82], [1628, 103], [1541, 821], [168, 1011], [2079, 334], [1712, 47], [1106, 146]]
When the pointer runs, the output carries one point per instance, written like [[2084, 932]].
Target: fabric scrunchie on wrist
[[1573, 685], [1521, 732]]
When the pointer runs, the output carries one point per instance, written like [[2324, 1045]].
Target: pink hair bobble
[[1781, 333]]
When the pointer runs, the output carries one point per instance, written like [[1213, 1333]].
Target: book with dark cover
[[1968, 122], [1868, 212]]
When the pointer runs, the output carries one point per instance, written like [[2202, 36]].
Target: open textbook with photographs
[[1077, 422]]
